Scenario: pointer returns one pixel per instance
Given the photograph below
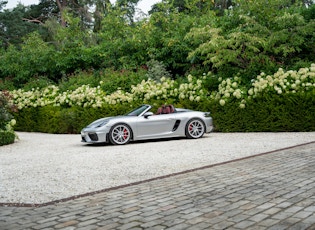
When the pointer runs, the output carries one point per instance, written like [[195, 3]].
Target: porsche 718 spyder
[[142, 124]]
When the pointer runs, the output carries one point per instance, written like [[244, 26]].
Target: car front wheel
[[195, 128], [120, 134]]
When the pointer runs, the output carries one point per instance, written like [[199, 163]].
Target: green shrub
[[37, 82], [157, 70], [5, 116], [26, 119], [6, 137], [56, 119], [6, 84], [110, 79], [274, 113], [123, 80], [74, 81]]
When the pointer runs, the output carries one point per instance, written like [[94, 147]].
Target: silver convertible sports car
[[142, 124]]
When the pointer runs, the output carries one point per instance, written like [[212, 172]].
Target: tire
[[120, 134], [195, 128]]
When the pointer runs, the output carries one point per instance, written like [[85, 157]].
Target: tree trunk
[[62, 4]]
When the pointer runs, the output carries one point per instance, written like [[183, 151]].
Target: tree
[[34, 57], [3, 4], [13, 26], [129, 7], [79, 9], [251, 38], [101, 9]]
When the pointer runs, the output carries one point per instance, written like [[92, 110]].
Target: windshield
[[138, 111]]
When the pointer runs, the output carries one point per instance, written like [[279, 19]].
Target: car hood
[[102, 121]]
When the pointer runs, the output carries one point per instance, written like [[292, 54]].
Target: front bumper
[[209, 124], [93, 137]]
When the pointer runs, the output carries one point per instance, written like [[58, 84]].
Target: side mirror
[[148, 114]]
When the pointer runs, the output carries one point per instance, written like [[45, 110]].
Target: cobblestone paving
[[269, 191]]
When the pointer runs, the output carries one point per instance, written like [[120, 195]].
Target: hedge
[[277, 113], [268, 113]]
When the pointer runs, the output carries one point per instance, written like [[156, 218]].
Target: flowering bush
[[168, 90], [95, 97], [5, 106], [35, 97], [284, 82], [7, 134], [230, 90], [279, 83], [281, 98]]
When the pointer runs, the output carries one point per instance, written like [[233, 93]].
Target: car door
[[155, 126]]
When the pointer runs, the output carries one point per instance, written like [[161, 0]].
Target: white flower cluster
[[35, 97], [280, 83], [284, 82], [230, 89], [86, 96], [169, 89], [9, 126]]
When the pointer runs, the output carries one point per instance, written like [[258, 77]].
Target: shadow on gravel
[[139, 142]]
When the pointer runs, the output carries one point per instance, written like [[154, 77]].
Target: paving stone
[[302, 214], [108, 224], [268, 222], [223, 225], [244, 224], [310, 208], [66, 224], [87, 223], [272, 211], [130, 225], [259, 217]]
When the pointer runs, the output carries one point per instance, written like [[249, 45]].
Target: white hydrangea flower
[[222, 102]]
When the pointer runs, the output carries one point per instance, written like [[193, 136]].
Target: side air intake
[[176, 125]]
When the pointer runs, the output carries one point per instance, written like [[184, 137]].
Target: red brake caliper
[[190, 127], [125, 134]]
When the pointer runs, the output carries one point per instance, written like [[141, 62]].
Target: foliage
[[281, 82], [248, 40], [268, 113], [112, 80], [95, 97], [73, 48], [33, 59], [52, 119], [279, 102], [165, 38], [65, 66], [156, 70], [5, 107], [7, 135], [224, 37], [121, 46], [13, 28]]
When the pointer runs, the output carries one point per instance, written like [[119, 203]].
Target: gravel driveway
[[40, 168]]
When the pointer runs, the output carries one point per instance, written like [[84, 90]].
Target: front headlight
[[98, 123], [207, 114], [102, 123]]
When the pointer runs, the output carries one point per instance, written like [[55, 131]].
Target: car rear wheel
[[120, 134], [195, 128]]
